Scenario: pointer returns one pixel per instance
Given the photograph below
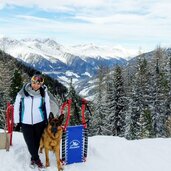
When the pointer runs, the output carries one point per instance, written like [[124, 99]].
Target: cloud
[[133, 21], [115, 19], [32, 18], [96, 8], [2, 5], [57, 4]]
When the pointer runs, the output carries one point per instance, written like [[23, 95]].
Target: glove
[[17, 127]]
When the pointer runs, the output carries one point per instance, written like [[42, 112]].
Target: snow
[[92, 50], [105, 153], [52, 51], [66, 81], [70, 73], [84, 92], [87, 74]]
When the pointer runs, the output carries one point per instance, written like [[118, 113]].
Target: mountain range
[[79, 62]]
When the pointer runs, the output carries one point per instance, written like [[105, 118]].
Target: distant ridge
[[79, 62]]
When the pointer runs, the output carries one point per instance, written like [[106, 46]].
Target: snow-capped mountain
[[78, 62], [105, 52]]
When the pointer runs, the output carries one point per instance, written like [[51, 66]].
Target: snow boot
[[40, 166], [32, 164]]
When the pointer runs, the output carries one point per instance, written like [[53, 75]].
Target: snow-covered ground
[[105, 153]]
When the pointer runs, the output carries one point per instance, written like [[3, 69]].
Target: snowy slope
[[26, 48], [92, 50], [48, 47], [104, 154]]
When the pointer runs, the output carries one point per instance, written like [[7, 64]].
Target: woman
[[31, 109]]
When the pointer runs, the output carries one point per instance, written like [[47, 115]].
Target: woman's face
[[35, 85]]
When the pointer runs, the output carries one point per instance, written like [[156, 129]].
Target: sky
[[119, 154], [134, 24]]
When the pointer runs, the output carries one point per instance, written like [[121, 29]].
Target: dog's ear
[[61, 118], [51, 116]]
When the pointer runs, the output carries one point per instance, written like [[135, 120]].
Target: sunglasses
[[37, 79], [35, 82]]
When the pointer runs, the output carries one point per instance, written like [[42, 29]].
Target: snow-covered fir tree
[[136, 103], [5, 82], [108, 103], [75, 105], [98, 119], [120, 103], [168, 99], [160, 91], [16, 84], [145, 119]]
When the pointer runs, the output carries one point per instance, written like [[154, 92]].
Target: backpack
[[54, 107]]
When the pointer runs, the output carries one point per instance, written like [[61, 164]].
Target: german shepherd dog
[[51, 137]]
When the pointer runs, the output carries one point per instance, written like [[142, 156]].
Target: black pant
[[32, 135]]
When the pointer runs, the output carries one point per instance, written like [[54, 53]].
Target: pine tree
[[134, 112], [168, 99], [160, 91], [108, 104], [136, 119], [5, 81], [145, 119], [98, 117], [117, 116], [16, 85], [168, 126], [147, 128], [75, 106], [129, 92]]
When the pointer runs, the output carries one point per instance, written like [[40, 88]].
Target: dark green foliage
[[120, 102], [75, 106], [16, 85], [97, 123], [148, 129]]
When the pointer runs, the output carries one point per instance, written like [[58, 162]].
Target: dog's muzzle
[[54, 130]]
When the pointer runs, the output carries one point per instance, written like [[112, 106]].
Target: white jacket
[[31, 108]]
